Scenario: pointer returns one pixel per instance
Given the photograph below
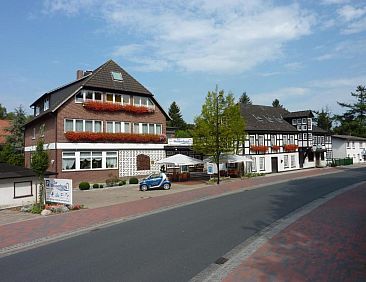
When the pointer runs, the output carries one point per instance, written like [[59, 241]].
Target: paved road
[[170, 246]]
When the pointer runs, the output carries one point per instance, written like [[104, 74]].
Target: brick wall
[[49, 132]]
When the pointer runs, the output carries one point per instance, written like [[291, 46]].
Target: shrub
[[101, 186], [84, 186], [133, 180], [37, 208], [121, 183], [112, 181], [95, 185]]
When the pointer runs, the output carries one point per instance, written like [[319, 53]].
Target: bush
[[133, 180], [95, 185], [112, 181], [101, 186], [37, 208], [121, 183], [84, 186]]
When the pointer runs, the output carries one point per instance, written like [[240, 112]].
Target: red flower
[[262, 149], [290, 147], [114, 137], [276, 148], [112, 107]]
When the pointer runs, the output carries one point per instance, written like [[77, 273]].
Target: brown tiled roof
[[4, 125], [265, 118], [12, 171], [100, 78], [299, 114]]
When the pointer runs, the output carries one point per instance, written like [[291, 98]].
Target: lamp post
[[218, 95]]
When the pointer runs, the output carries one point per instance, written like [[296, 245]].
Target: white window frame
[[34, 133], [294, 121], [273, 139], [252, 140], [83, 120], [292, 139], [261, 140], [254, 164], [304, 121], [83, 93], [285, 161], [76, 157], [293, 161], [262, 164], [37, 110], [310, 124], [46, 104]]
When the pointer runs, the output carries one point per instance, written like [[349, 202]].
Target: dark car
[[155, 181]]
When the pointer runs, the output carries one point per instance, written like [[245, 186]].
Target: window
[[85, 160], [96, 159], [299, 121], [136, 101], [110, 127], [82, 125], [34, 133], [285, 161], [37, 111], [109, 98], [89, 95], [111, 160], [117, 127], [285, 139], [69, 125], [136, 128], [322, 140], [145, 128], [89, 125], [82, 96], [151, 129], [261, 164], [117, 98], [294, 122], [117, 76], [273, 140], [304, 127], [97, 126], [254, 164], [159, 129], [293, 163], [304, 121], [305, 136], [252, 140], [300, 136], [142, 101], [310, 136], [292, 139], [127, 127], [68, 161], [79, 125], [329, 155], [299, 127], [126, 99], [46, 104], [97, 96], [310, 124], [353, 144], [260, 140], [79, 97], [348, 144]]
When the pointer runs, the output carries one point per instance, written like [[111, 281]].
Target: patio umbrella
[[180, 160], [227, 158]]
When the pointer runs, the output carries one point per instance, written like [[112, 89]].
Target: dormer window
[[117, 76], [37, 111], [46, 104]]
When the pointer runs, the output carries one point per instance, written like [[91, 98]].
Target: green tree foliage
[[245, 99], [39, 165], [176, 116], [219, 128], [12, 151], [324, 119], [353, 121], [3, 112]]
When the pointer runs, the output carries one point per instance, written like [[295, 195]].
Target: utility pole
[[217, 136]]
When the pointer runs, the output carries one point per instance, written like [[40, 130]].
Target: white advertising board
[[180, 141], [58, 190]]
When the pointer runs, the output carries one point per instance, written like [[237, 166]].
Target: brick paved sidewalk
[[327, 244], [25, 232]]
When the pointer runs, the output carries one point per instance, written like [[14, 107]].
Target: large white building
[[346, 146], [279, 140]]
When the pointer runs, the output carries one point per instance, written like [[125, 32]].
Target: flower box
[[112, 107], [261, 149], [276, 148], [114, 137], [290, 147]]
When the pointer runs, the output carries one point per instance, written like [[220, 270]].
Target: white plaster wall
[[339, 148], [355, 152], [7, 192], [280, 159]]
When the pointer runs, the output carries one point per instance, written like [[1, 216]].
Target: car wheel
[[166, 186], [143, 187]]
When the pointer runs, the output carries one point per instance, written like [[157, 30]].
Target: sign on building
[[58, 190], [180, 141]]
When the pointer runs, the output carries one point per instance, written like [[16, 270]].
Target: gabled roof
[[265, 118], [12, 171], [349, 137], [4, 125], [101, 78], [299, 114]]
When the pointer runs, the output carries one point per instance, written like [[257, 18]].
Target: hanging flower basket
[[112, 107], [276, 148], [290, 147], [261, 149], [114, 137]]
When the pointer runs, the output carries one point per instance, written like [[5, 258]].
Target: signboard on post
[[58, 190]]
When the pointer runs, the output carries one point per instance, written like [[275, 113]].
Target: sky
[[308, 54]]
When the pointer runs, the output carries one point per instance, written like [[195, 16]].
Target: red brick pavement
[[328, 244], [28, 231]]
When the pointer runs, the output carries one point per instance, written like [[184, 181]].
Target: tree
[[353, 121], [3, 112], [13, 148], [219, 127], [324, 119], [245, 99], [39, 165], [176, 116]]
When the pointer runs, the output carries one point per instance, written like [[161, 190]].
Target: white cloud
[[70, 7], [344, 50], [332, 2], [201, 35], [349, 13]]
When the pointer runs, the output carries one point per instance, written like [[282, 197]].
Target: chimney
[[79, 74]]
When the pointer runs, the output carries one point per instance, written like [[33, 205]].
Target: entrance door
[[274, 161]]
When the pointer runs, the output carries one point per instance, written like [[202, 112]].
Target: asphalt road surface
[[174, 245]]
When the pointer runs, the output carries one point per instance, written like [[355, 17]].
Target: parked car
[[155, 181]]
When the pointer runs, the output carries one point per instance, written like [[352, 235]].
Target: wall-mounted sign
[[58, 190], [180, 141]]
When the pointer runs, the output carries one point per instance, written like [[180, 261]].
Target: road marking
[[240, 253]]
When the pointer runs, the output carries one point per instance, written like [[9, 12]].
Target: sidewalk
[[327, 244], [25, 233]]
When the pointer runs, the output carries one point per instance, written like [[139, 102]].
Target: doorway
[[274, 162]]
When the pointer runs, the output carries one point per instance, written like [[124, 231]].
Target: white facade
[[347, 148], [18, 191]]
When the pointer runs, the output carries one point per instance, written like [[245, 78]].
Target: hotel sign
[[58, 190], [180, 141]]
